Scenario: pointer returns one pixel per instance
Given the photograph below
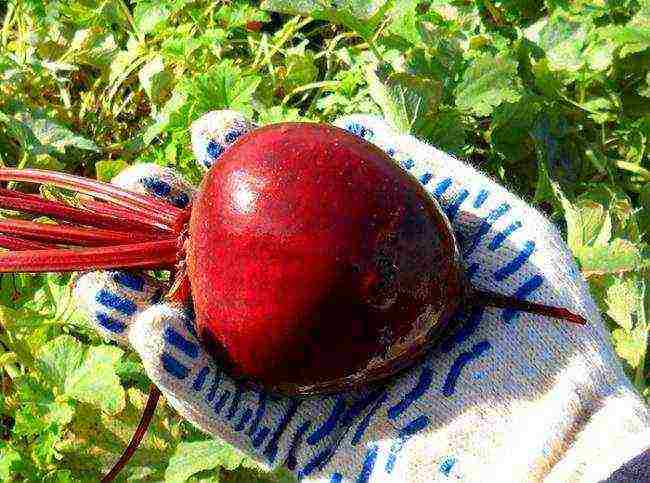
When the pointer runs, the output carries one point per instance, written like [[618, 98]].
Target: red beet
[[316, 263]]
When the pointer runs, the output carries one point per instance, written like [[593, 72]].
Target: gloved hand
[[512, 397]]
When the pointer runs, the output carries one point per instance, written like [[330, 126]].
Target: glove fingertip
[[371, 128], [113, 299], [214, 132], [155, 180]]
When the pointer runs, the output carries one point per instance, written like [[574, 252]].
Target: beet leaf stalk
[[113, 228]]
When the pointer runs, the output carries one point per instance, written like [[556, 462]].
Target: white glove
[[512, 397]]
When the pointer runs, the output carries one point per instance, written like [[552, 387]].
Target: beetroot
[[316, 263]]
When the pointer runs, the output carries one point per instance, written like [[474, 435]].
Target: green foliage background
[[552, 98]]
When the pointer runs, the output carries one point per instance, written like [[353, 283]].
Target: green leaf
[[407, 101], [93, 46], [300, 67], [10, 460], [644, 214], [192, 458], [487, 83], [404, 20], [150, 16], [49, 136], [619, 256], [59, 358], [222, 86], [327, 9], [279, 114], [564, 38], [124, 64], [632, 345], [100, 438], [510, 131], [589, 223], [623, 297], [164, 118], [645, 90], [633, 39], [600, 54], [447, 131], [155, 80], [109, 168], [96, 382]]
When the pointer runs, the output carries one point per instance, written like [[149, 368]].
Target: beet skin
[[316, 263]]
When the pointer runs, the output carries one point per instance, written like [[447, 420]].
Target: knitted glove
[[511, 397]]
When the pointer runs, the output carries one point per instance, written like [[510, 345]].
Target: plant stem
[[136, 439], [492, 299], [130, 20], [147, 255], [6, 24]]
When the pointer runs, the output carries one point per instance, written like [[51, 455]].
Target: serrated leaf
[[93, 46], [632, 38], [618, 256], [192, 458], [95, 380], [222, 86], [109, 168], [405, 100], [124, 63], [150, 16], [10, 459], [487, 83], [644, 214], [510, 132], [644, 90], [172, 107], [300, 67], [48, 135], [326, 9], [632, 345], [99, 438], [600, 54], [596, 224], [404, 20], [446, 130], [563, 38], [59, 358], [622, 298], [589, 223]]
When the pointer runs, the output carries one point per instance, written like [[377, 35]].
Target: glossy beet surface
[[316, 263]]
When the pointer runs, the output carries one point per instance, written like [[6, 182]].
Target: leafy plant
[[551, 98]]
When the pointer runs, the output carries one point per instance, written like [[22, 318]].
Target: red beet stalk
[[162, 213], [124, 230], [32, 204]]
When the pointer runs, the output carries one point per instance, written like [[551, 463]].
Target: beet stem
[[156, 209], [19, 244], [25, 203], [147, 255], [107, 209], [492, 299], [48, 232], [136, 439]]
